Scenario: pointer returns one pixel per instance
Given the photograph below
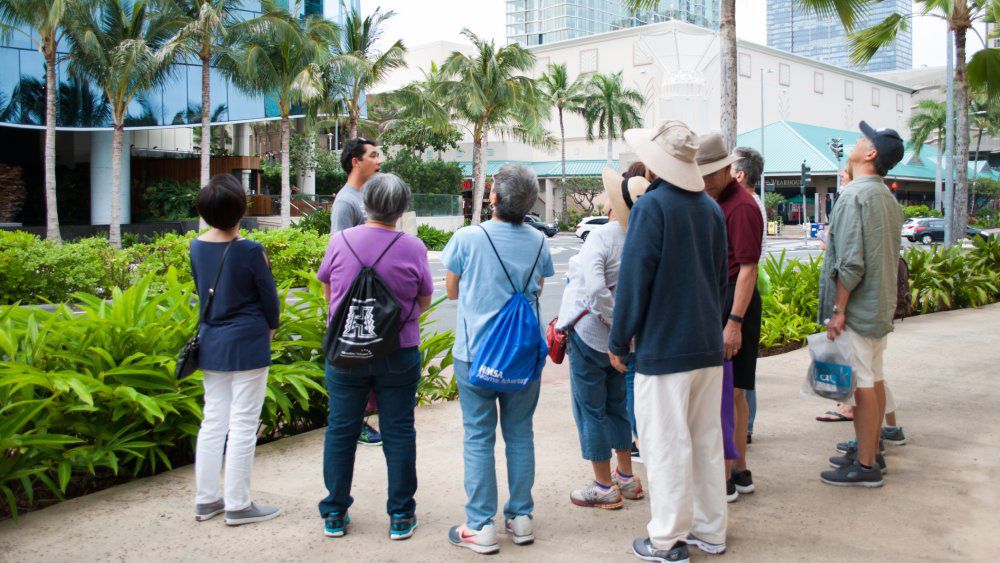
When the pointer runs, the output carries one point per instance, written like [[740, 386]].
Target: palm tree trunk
[[610, 161], [478, 173], [972, 189], [960, 216], [937, 183], [562, 187], [353, 118], [206, 121], [286, 184], [115, 229], [51, 210], [727, 35]]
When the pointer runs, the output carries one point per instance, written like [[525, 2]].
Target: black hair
[[354, 148], [223, 202]]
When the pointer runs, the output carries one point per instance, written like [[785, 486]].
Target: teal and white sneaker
[[893, 435], [707, 547], [852, 445], [335, 524], [402, 526], [481, 541]]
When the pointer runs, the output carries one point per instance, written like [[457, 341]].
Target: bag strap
[[505, 272], [377, 260], [531, 274], [218, 275]]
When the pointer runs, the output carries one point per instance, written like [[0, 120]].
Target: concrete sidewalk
[[941, 500]]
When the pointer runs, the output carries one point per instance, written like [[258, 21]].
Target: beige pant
[[680, 437]]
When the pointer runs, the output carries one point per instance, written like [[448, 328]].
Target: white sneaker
[[482, 541], [521, 528]]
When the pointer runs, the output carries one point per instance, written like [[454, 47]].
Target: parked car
[[928, 231], [535, 221], [911, 224], [588, 224]]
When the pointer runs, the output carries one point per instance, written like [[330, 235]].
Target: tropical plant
[[911, 211], [124, 47], [283, 55], [432, 176], [205, 23], [611, 108], [564, 96], [488, 91], [433, 238], [416, 135], [981, 73], [584, 192], [789, 312], [359, 62], [772, 200], [927, 124], [171, 200], [41, 23]]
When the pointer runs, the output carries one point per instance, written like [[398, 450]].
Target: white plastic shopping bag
[[830, 373]]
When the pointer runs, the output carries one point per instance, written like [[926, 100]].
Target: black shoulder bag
[[188, 358]]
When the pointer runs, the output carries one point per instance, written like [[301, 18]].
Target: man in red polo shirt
[[742, 309]]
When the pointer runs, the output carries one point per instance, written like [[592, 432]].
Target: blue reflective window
[[175, 98], [30, 90], [243, 106]]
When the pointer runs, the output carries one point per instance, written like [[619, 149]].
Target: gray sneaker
[[893, 435], [593, 496], [631, 490], [850, 457], [209, 510], [643, 549], [852, 444], [853, 475], [707, 547], [251, 514]]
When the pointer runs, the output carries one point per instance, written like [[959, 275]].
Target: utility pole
[[948, 201], [804, 179]]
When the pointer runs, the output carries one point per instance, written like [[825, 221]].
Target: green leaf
[[64, 471], [984, 75]]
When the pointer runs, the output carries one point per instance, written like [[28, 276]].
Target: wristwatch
[[736, 318], [836, 310]]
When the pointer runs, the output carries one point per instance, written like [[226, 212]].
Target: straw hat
[[621, 194], [712, 154], [669, 151]]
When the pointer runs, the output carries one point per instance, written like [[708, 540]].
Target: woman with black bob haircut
[[238, 304]]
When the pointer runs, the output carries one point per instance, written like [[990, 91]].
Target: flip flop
[[834, 416]]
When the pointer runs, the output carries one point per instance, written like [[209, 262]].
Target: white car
[[588, 224], [909, 225]]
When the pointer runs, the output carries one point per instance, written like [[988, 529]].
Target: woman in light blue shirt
[[482, 288]]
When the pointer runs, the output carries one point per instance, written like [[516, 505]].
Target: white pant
[[680, 437], [233, 400]]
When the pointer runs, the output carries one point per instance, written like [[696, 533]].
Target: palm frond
[[867, 42]]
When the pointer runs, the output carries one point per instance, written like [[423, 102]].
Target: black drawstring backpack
[[367, 322]]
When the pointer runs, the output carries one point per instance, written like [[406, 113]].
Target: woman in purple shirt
[[394, 378]]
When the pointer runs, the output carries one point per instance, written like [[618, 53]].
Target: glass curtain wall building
[[175, 103], [792, 28], [539, 22]]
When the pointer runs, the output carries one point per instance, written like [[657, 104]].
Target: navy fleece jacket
[[672, 283]]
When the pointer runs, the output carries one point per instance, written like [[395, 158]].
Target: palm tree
[[488, 91], [124, 47], [927, 121], [205, 24], [986, 120], [564, 96], [727, 56], [41, 22], [961, 16], [360, 63], [611, 108], [283, 55]]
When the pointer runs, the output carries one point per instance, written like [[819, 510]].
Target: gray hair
[[751, 163], [517, 190], [386, 197]]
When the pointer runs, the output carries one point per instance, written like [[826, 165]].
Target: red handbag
[[556, 338]]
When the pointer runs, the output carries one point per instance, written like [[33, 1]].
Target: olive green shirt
[[863, 253]]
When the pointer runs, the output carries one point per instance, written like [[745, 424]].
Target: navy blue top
[[234, 333], [672, 282]]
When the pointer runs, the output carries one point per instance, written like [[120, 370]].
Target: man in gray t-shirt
[[361, 160]]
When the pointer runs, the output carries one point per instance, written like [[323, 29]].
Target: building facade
[[160, 121], [793, 28], [540, 22]]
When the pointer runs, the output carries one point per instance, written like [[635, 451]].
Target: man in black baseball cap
[[886, 143]]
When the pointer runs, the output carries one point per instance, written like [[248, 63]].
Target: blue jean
[[751, 395], [394, 380], [630, 393], [479, 419], [600, 402]]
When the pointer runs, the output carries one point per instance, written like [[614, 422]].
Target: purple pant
[[728, 415]]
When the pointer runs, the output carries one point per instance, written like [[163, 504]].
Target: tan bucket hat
[[669, 151], [616, 189], [712, 154]]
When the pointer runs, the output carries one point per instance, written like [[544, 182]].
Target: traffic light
[[806, 173], [837, 147]]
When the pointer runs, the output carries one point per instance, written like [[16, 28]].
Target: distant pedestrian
[[670, 303], [360, 159], [400, 260], [483, 263], [741, 313], [239, 304], [600, 397], [858, 292]]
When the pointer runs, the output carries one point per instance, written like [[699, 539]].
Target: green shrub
[[33, 270], [170, 200], [433, 238], [789, 312], [433, 176], [987, 218], [911, 211], [295, 255], [318, 222]]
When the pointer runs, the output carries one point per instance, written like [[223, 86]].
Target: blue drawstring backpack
[[513, 353]]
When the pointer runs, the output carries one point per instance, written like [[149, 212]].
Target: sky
[[424, 21]]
